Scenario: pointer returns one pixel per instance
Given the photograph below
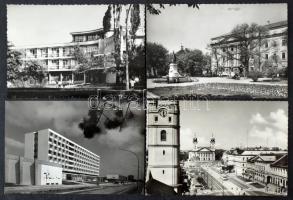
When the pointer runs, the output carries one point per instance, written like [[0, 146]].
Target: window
[[156, 118], [283, 42], [283, 56], [163, 152], [163, 135], [163, 171], [266, 44], [170, 119], [267, 56], [232, 49]]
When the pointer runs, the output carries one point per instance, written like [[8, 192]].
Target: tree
[[191, 62], [250, 39], [156, 60], [137, 64], [13, 64], [107, 20], [33, 71], [133, 10], [155, 9]]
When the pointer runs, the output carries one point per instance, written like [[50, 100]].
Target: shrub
[[255, 75]]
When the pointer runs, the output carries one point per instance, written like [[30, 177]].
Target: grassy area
[[223, 90]]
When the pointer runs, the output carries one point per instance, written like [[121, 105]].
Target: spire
[[194, 138]]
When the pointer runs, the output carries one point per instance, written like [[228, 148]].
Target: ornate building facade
[[226, 51], [202, 154]]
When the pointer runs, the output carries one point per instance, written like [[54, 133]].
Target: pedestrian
[[132, 83]]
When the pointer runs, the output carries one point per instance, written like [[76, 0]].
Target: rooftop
[[268, 26]]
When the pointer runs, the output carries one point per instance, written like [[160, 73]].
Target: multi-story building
[[226, 51], [77, 162], [163, 142], [269, 169], [239, 157], [59, 63]]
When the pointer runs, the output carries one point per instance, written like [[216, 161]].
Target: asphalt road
[[109, 189]]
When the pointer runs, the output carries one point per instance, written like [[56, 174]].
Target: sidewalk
[[37, 189]]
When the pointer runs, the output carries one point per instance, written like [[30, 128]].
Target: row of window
[[156, 119], [56, 52], [266, 45]]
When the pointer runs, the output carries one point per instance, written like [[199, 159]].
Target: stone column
[[72, 77]]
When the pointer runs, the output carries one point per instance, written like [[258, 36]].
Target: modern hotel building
[[50, 158], [77, 162]]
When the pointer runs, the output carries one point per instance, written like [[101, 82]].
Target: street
[[130, 188], [218, 186]]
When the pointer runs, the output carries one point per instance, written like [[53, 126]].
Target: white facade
[[163, 142], [202, 154], [226, 51], [60, 65], [76, 161]]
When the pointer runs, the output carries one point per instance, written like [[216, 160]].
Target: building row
[[268, 49], [50, 158], [266, 166]]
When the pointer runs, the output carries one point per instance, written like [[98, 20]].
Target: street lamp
[[137, 164]]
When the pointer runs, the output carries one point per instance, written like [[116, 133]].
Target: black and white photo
[[217, 148], [56, 49], [218, 50], [64, 147]]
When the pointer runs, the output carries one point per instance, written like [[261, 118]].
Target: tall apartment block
[[77, 162]]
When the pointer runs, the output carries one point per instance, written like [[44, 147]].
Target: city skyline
[[23, 117], [209, 21], [257, 123]]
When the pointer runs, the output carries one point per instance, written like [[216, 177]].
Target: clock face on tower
[[163, 112]]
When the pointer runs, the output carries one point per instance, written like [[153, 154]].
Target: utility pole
[[137, 179]]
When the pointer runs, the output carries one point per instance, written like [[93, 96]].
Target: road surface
[[109, 189]]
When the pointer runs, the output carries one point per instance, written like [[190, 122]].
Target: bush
[[254, 75], [283, 72]]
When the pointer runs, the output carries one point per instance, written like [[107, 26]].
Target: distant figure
[[132, 83]]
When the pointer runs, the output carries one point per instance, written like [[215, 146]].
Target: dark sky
[[63, 117]]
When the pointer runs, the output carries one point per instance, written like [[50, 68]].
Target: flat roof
[[99, 30], [70, 141]]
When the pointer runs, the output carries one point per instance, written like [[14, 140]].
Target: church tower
[[163, 142], [195, 142], [212, 142]]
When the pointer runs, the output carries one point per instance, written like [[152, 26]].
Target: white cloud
[[280, 120], [258, 119], [269, 136], [13, 143]]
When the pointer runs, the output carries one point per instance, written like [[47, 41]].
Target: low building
[[25, 171], [116, 178]]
